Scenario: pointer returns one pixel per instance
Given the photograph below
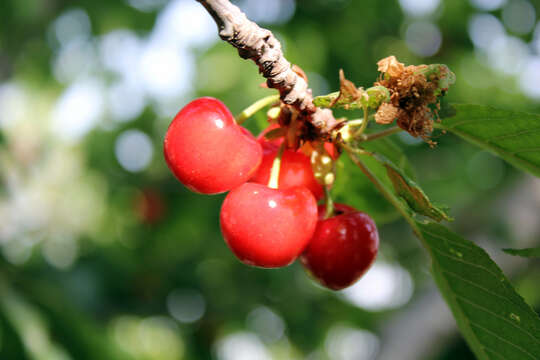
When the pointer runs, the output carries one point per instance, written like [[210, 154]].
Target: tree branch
[[261, 46]]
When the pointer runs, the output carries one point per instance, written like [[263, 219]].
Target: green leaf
[[354, 188], [493, 317], [512, 135], [413, 195], [530, 253], [26, 319], [375, 96], [391, 151]]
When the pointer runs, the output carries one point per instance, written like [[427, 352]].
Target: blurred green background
[[104, 255]]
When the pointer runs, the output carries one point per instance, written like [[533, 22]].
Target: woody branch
[[261, 46]]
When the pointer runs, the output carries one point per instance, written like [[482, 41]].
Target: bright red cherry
[[207, 151], [343, 247], [295, 170], [268, 227]]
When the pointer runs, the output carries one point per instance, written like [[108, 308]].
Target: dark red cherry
[[343, 247]]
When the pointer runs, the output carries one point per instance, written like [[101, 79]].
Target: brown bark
[[261, 46]]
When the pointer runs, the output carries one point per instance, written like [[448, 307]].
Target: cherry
[[268, 227], [207, 151], [343, 247], [295, 170]]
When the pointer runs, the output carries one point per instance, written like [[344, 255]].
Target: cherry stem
[[360, 131], [273, 183], [255, 107], [380, 134], [353, 150], [329, 203]]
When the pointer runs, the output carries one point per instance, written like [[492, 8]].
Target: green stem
[[329, 203], [255, 107], [364, 123], [350, 149], [273, 183], [387, 194], [355, 122], [380, 134]]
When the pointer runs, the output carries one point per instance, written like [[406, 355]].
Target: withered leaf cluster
[[414, 95]]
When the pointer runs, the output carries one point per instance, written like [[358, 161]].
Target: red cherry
[[268, 227], [343, 247], [207, 151], [295, 170], [267, 142]]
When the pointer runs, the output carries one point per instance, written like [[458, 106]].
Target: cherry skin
[[207, 151], [295, 170], [343, 247], [268, 227]]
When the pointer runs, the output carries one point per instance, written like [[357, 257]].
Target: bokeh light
[[241, 346], [71, 25], [185, 305], [519, 16], [148, 338], [485, 29], [78, 109], [346, 343], [384, 286], [266, 323], [488, 5], [530, 78], [268, 12], [419, 8], [133, 150], [423, 38], [60, 252]]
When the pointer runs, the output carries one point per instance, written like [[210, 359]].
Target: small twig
[[353, 150], [329, 203], [364, 123], [261, 46], [380, 134], [255, 107], [273, 183]]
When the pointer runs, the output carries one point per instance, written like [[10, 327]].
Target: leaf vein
[[468, 263], [478, 286], [515, 134], [533, 149], [450, 241], [504, 340], [481, 307]]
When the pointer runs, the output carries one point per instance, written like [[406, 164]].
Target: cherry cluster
[[270, 217]]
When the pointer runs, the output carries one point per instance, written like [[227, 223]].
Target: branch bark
[[261, 46]]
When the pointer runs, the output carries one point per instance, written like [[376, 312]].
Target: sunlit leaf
[[531, 253], [350, 97], [512, 135], [417, 200], [492, 316]]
